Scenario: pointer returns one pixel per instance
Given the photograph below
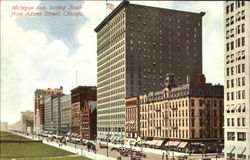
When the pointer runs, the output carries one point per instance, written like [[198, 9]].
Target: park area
[[17, 147]]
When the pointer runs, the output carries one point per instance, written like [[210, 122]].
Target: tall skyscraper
[[237, 79], [136, 46]]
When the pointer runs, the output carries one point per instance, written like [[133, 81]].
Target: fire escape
[[206, 118]]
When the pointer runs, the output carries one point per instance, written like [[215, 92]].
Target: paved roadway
[[101, 154]]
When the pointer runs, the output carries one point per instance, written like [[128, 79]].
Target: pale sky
[[45, 52]]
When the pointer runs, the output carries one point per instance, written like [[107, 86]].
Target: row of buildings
[[24, 125], [190, 114], [150, 83], [138, 45], [62, 114]]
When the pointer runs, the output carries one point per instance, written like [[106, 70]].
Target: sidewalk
[[170, 153], [80, 151]]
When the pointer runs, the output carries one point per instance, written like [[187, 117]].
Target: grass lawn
[[10, 136], [32, 151]]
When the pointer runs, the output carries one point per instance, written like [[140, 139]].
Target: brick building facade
[[88, 119], [79, 96], [188, 116], [132, 117]]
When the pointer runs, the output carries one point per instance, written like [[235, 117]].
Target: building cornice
[[111, 15]]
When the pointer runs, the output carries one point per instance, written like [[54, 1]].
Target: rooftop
[[124, 3]]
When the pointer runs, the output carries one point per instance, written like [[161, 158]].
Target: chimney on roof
[[169, 82], [201, 78]]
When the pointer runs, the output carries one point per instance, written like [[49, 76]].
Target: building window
[[243, 81], [192, 112], [239, 94], [227, 9], [200, 103], [243, 109], [200, 112], [232, 121], [230, 136], [243, 14], [228, 71], [232, 70], [243, 68], [215, 112], [239, 83], [238, 42], [232, 7], [192, 103], [241, 136], [243, 41], [227, 22], [239, 68], [228, 48], [238, 121], [228, 121], [232, 20], [243, 94], [232, 45], [243, 122], [232, 83], [200, 122], [243, 27]]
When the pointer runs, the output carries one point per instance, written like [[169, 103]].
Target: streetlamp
[[75, 142], [167, 150], [107, 149], [202, 150], [131, 151], [218, 149]]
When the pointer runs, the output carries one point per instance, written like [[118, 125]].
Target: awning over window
[[176, 143], [228, 149], [112, 138], [169, 143], [183, 144], [159, 143], [115, 138]]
